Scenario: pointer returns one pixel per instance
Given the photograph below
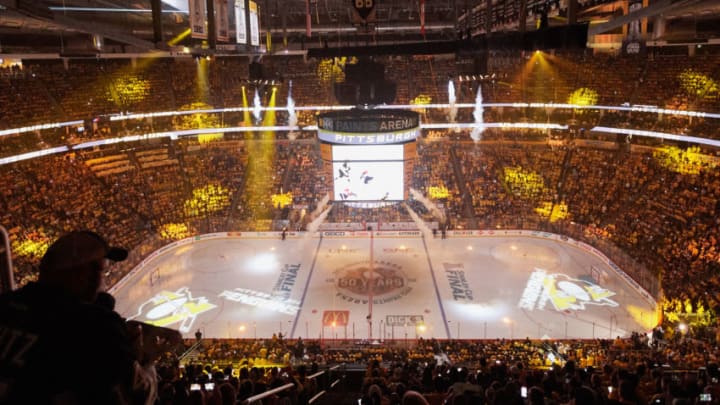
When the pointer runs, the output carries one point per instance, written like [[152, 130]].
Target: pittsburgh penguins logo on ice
[[167, 308], [563, 292], [385, 282]]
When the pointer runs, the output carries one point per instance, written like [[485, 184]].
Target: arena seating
[[673, 367], [643, 208]]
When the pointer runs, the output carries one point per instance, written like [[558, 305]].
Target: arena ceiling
[[126, 26]]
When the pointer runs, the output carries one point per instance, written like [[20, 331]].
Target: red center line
[[370, 290]]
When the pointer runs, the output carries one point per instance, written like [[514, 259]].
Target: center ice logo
[[563, 292], [385, 282]]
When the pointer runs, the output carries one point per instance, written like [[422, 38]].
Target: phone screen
[[209, 386], [194, 387], [523, 392]]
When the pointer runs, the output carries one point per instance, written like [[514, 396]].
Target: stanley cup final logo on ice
[[384, 282]]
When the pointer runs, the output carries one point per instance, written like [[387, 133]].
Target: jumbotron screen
[[368, 173]]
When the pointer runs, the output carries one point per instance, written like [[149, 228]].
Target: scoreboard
[[369, 154]]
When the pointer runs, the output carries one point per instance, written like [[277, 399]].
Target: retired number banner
[[197, 19]]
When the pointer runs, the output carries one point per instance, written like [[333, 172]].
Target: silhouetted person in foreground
[[68, 347]]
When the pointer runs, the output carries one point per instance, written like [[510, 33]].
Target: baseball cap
[[77, 248]]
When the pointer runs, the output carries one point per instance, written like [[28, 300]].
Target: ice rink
[[384, 285]]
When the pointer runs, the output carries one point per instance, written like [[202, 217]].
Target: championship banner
[[240, 24], [198, 28], [254, 24], [422, 17], [222, 22], [335, 318]]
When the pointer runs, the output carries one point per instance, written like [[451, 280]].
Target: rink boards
[[385, 285]]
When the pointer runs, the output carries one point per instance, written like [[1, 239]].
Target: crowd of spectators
[[662, 218], [614, 191], [53, 91], [391, 213], [670, 367]]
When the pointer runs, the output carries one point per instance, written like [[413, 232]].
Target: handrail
[[316, 396], [7, 279], [319, 373], [267, 393], [323, 392], [187, 352]]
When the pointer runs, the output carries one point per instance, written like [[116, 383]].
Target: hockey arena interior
[[381, 201]]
